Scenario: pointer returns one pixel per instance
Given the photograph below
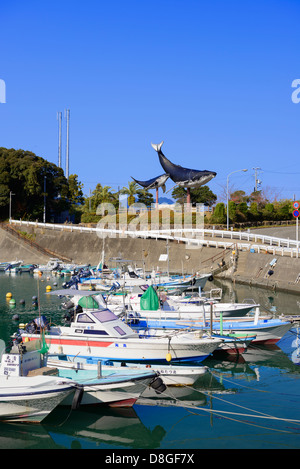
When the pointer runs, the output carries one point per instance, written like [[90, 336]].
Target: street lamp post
[[44, 213], [237, 171], [10, 195]]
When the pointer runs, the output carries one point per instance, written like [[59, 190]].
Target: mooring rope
[[229, 414]]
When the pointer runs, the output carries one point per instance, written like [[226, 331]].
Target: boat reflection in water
[[107, 428], [85, 428], [103, 428], [137, 427]]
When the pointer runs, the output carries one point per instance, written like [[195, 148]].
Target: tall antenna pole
[[67, 148], [44, 214], [59, 117]]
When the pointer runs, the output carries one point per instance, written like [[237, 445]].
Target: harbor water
[[246, 402]]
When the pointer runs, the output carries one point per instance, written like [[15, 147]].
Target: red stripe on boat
[[83, 343]]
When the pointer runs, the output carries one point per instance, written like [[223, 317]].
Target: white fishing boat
[[25, 397], [153, 322], [255, 329], [100, 285], [201, 305], [237, 332], [172, 375], [170, 307], [113, 387], [56, 265], [184, 283], [162, 307], [6, 266], [51, 265], [29, 391], [104, 281], [229, 320], [100, 333], [19, 269]]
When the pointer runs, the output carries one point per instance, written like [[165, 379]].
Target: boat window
[[119, 330], [84, 318], [97, 332], [104, 316]]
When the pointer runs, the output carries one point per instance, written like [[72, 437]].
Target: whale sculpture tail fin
[[157, 146]]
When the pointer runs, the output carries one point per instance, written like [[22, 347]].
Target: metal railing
[[244, 241]]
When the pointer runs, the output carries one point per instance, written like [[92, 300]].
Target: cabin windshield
[[104, 315], [83, 318]]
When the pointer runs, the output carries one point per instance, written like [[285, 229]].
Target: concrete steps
[[15, 246]]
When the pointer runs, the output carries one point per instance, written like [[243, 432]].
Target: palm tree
[[131, 191], [101, 194]]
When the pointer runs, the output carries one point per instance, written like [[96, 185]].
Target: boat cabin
[[93, 323], [100, 322]]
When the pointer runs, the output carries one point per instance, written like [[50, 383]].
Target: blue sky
[[210, 78]]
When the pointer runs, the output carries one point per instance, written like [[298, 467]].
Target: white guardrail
[[192, 237]]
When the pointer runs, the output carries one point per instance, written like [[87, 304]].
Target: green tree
[[259, 198], [179, 194], [239, 196], [242, 211], [232, 211], [253, 213], [145, 197], [101, 194], [76, 197], [269, 212], [200, 195], [219, 215], [284, 210], [24, 174], [75, 190]]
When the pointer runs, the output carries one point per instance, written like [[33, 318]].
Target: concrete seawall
[[11, 248], [265, 271], [262, 270], [87, 248]]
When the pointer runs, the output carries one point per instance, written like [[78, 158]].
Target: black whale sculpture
[[183, 177]]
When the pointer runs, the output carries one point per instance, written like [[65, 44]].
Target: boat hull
[[194, 283], [131, 350], [186, 312], [172, 375], [120, 391], [30, 399], [268, 331]]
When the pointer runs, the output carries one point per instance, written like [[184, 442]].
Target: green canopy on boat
[[88, 302], [149, 300]]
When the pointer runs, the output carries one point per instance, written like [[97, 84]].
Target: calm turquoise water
[[251, 403]]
